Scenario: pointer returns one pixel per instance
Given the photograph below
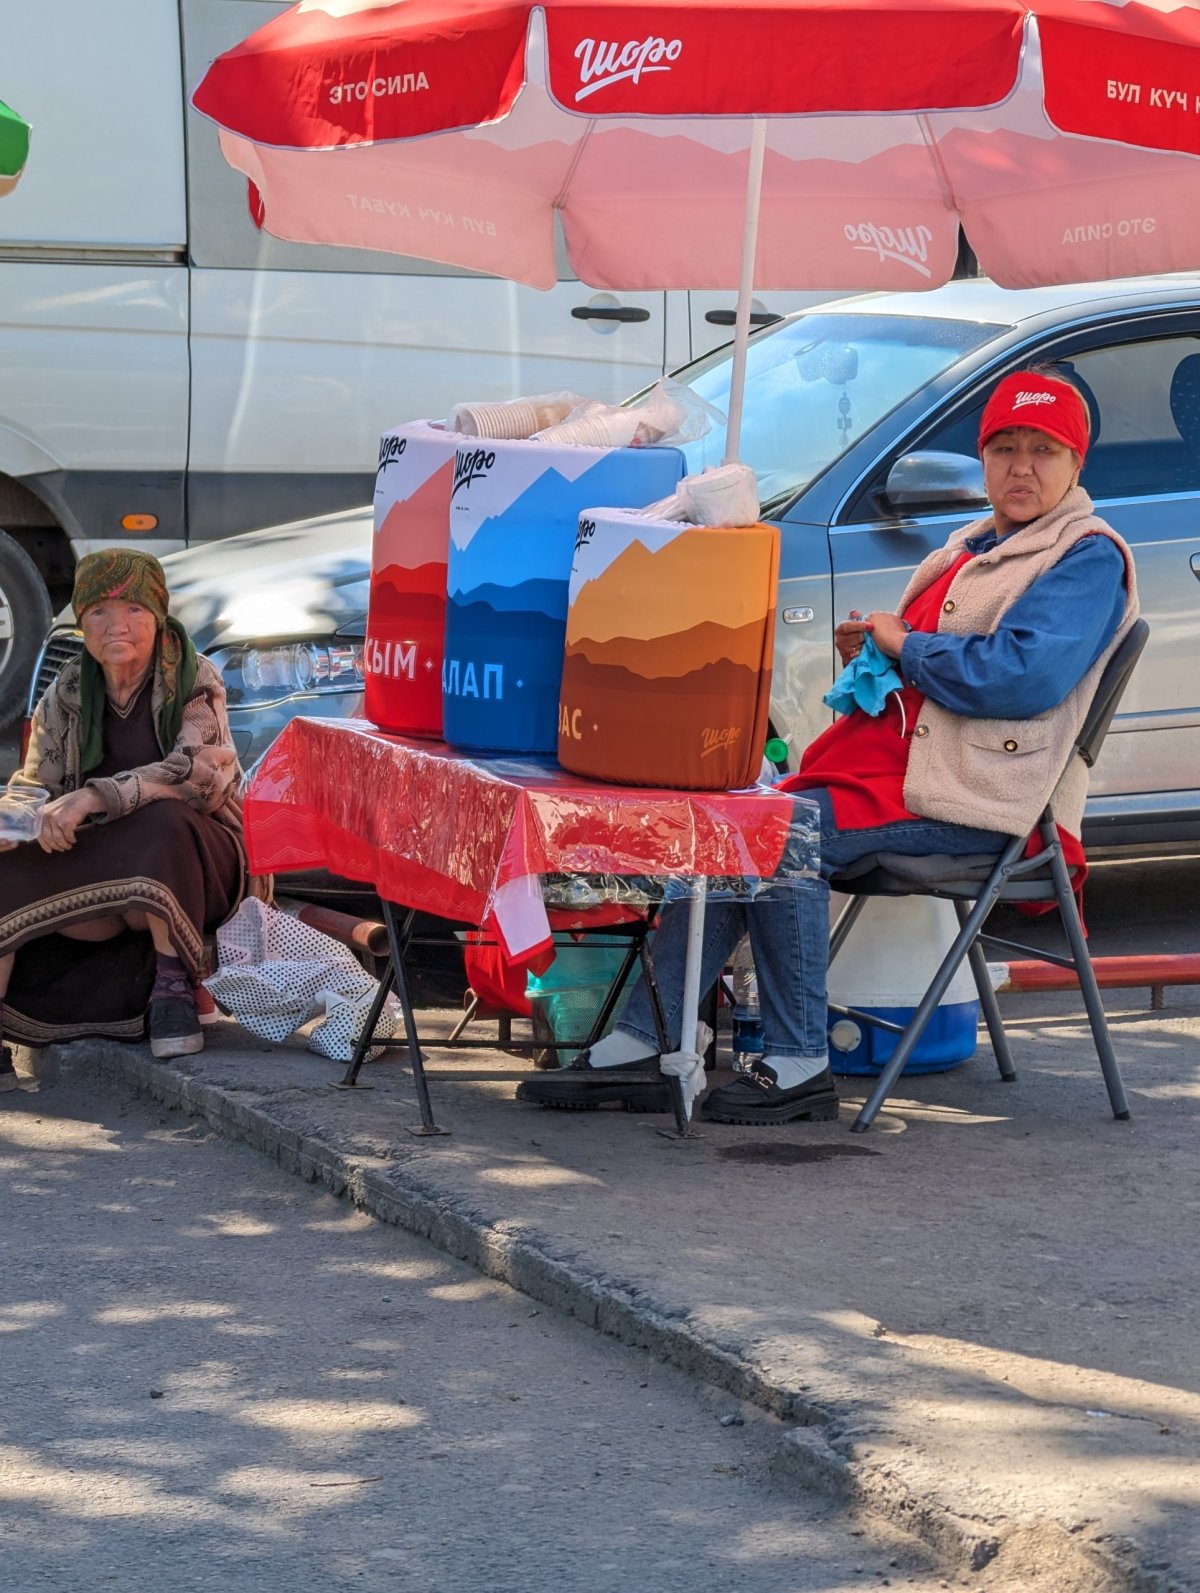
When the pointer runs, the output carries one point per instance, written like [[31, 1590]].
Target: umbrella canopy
[[1064, 135], [14, 147]]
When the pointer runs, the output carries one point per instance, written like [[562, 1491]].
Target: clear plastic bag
[[667, 415], [671, 414]]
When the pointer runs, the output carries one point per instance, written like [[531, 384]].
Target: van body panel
[[94, 406], [300, 372], [102, 88]]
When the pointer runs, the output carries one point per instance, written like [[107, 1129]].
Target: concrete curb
[[810, 1454]]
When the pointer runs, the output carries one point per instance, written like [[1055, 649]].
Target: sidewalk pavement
[[979, 1319]]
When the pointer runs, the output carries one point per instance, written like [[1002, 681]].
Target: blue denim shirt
[[1044, 645]]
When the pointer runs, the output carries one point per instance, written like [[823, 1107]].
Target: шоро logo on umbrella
[[602, 63]]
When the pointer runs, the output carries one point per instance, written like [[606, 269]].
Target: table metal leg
[[398, 941], [349, 1079], [614, 990]]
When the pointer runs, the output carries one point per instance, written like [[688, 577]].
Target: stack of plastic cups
[[514, 419]]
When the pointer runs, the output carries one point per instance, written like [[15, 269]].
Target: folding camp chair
[[975, 885]]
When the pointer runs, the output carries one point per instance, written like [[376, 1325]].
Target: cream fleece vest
[[998, 774]]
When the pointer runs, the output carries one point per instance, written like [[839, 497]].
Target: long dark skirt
[[165, 859]]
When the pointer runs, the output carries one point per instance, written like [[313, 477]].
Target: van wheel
[[24, 621]]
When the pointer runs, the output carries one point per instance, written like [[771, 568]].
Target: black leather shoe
[[174, 1027], [579, 1087], [754, 1097]]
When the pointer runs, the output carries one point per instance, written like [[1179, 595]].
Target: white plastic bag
[[274, 973], [722, 495], [688, 1067]]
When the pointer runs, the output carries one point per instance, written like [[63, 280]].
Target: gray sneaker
[[175, 1027]]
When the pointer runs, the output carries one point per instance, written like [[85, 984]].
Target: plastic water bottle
[[747, 1018], [774, 764]]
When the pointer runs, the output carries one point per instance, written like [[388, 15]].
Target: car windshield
[[819, 383]]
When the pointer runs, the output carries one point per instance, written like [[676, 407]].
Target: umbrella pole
[[741, 328], [691, 967]]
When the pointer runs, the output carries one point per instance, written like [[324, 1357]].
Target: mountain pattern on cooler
[[514, 522], [669, 642], [406, 624]]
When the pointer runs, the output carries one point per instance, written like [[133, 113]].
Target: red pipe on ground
[[1112, 973]]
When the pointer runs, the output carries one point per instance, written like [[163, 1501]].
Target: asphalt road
[[217, 1377]]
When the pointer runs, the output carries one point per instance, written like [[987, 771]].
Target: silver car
[[860, 421]]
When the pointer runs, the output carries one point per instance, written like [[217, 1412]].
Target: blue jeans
[[788, 924]]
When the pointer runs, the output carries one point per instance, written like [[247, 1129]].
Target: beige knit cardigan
[[998, 774]]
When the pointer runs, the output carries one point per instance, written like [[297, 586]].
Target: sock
[[617, 1047], [792, 1071], [170, 978]]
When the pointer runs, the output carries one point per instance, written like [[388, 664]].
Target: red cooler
[[406, 622]]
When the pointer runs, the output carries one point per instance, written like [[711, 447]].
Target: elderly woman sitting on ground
[[998, 643], [103, 921]]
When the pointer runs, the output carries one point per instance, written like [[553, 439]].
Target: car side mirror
[[935, 480]]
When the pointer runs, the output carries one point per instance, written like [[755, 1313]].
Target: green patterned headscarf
[[135, 577]]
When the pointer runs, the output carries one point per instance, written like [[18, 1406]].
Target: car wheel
[[24, 621]]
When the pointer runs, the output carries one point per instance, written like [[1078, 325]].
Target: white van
[[169, 374]]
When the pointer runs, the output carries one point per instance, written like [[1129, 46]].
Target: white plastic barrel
[[885, 967]]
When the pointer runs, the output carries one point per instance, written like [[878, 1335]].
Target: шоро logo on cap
[[1022, 399]]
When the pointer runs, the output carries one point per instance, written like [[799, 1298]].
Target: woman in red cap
[[998, 640]]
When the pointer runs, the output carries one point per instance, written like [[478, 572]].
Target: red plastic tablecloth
[[467, 837]]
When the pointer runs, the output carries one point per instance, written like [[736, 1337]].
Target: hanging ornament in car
[[845, 424]]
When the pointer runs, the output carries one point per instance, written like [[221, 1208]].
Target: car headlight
[[272, 672]]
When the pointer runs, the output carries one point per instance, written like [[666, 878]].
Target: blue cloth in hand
[[865, 682]]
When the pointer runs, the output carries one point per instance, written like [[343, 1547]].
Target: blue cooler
[[885, 968], [514, 517]]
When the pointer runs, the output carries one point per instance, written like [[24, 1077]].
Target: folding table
[[471, 838]]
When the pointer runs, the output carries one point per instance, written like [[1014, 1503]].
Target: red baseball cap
[[1047, 403]]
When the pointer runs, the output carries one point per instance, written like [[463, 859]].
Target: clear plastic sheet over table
[[494, 841]]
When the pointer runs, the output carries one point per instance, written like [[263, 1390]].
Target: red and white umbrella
[[830, 144], [1063, 135]]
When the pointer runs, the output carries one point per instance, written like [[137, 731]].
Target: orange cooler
[[406, 621], [670, 634]]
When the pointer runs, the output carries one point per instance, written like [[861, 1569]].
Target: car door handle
[[1196, 565], [729, 317], [609, 312]]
